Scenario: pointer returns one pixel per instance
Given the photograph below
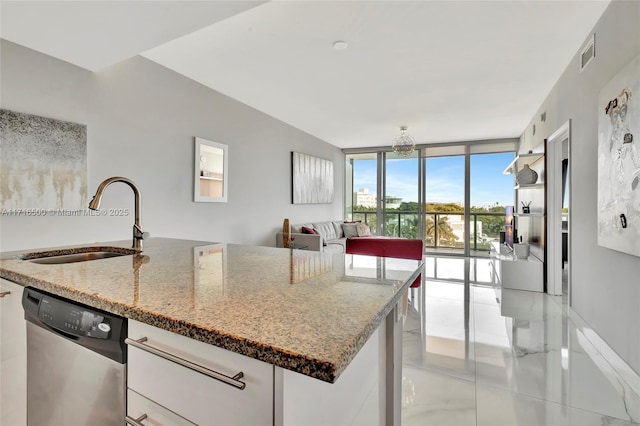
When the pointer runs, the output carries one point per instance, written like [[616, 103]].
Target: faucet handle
[[138, 234]]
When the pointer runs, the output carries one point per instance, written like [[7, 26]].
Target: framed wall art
[[43, 163], [312, 179], [619, 161]]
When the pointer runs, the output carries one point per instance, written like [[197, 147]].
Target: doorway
[[559, 212]]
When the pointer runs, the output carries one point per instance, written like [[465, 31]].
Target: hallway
[[479, 355]]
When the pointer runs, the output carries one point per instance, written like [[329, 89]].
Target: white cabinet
[[358, 397], [495, 272], [147, 412], [508, 271], [522, 274], [13, 355], [162, 392], [190, 394]]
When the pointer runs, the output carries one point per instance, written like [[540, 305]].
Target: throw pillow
[[307, 230], [350, 230], [363, 230]]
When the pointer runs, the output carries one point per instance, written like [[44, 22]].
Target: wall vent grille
[[588, 52]]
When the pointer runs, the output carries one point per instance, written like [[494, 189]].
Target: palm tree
[[444, 231]]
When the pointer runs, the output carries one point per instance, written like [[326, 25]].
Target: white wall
[[141, 119], [605, 283]]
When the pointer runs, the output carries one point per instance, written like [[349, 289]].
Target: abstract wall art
[[619, 161], [312, 179], [43, 162]]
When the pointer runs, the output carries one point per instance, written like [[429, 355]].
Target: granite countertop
[[305, 311]]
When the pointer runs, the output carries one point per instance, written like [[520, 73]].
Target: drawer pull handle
[[135, 422], [233, 381], [4, 293]]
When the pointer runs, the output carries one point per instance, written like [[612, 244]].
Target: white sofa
[[329, 236]]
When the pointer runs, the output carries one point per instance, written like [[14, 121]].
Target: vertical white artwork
[[312, 179], [619, 161], [43, 162]]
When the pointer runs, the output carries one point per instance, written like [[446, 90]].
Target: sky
[[445, 179]]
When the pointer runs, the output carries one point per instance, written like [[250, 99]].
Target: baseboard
[[599, 347]]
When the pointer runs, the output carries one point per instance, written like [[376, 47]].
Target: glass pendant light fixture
[[404, 144]]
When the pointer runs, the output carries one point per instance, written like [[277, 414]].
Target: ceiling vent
[[588, 52]]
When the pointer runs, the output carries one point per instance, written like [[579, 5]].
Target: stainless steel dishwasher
[[76, 362]]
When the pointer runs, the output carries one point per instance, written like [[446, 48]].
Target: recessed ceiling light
[[340, 45]]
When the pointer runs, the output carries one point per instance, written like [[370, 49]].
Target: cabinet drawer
[[13, 355], [191, 394], [13, 338], [156, 415]]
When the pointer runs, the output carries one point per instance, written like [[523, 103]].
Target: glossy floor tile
[[478, 355]]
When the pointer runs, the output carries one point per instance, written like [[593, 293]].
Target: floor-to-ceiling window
[[490, 192], [362, 176], [453, 196], [445, 204], [401, 193], [382, 191]]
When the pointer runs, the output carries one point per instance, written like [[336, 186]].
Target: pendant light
[[404, 144]]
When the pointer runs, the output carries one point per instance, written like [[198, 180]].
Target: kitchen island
[[327, 326]]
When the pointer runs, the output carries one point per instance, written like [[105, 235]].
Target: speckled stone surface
[[305, 311]]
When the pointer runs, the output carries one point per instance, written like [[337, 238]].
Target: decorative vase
[[286, 233], [526, 176], [521, 250]]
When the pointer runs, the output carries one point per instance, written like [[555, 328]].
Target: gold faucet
[[138, 235]]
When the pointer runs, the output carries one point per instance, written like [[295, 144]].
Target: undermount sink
[[73, 255]]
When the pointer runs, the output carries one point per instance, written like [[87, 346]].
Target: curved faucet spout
[[138, 235]]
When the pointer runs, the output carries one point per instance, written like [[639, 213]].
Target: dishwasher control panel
[[72, 319], [88, 326]]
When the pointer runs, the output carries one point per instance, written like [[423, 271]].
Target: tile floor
[[478, 355]]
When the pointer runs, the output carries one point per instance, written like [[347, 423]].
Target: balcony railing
[[442, 230]]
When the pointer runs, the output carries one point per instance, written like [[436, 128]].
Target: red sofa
[[403, 248]]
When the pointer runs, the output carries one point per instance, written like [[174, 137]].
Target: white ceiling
[[449, 70], [96, 34]]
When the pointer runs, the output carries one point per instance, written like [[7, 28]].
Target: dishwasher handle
[[231, 381]]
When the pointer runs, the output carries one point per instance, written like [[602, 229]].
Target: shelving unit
[[534, 192], [530, 225], [530, 186], [521, 160]]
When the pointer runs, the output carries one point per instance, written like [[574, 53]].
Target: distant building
[[456, 222], [392, 202], [364, 198]]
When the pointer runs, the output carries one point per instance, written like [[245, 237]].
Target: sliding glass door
[[400, 209], [444, 217], [490, 192], [362, 176], [382, 192], [451, 196]]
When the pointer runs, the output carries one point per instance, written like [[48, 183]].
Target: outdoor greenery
[[403, 222]]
